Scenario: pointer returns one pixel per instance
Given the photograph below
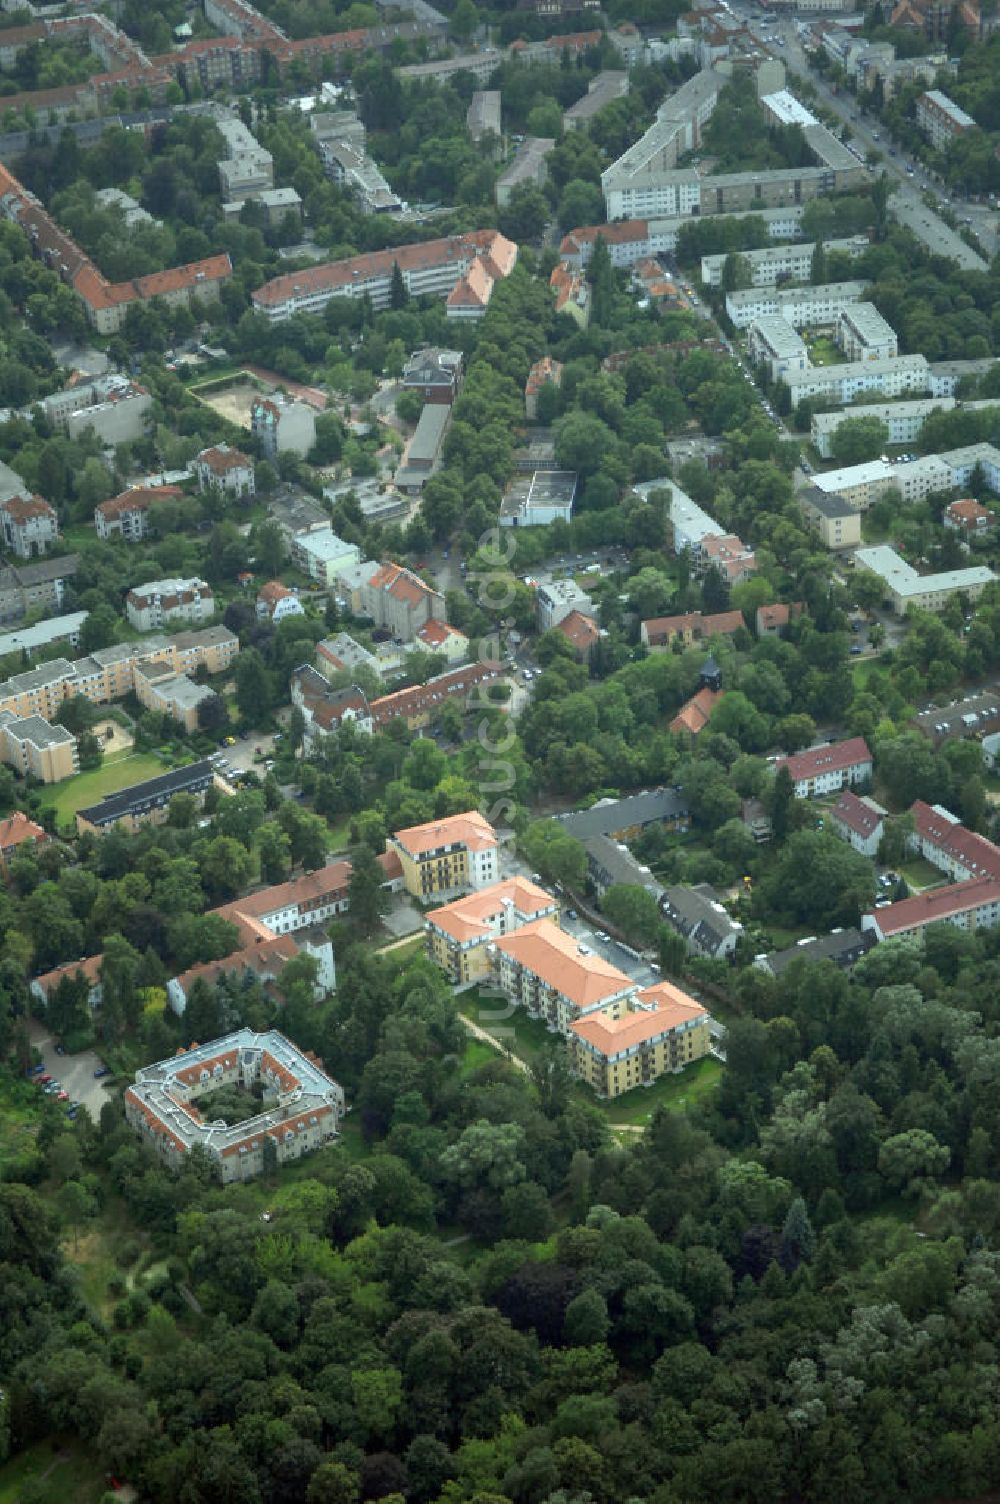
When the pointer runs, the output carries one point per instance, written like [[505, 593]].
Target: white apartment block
[[904, 420], [859, 485], [160, 601], [842, 383], [773, 342], [930, 592], [629, 241], [322, 556], [941, 119], [801, 306], [639, 183], [863, 334], [114, 407], [780, 263]]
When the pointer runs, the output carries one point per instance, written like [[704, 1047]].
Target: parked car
[[101, 1071], [60, 1049], [44, 1078], [62, 1096]]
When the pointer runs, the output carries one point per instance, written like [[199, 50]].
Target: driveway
[[240, 757], [75, 1072]]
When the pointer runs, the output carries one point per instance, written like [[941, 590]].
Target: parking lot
[[240, 757], [75, 1073]]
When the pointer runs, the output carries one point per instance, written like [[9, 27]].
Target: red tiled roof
[[222, 459], [831, 759], [857, 815], [17, 828], [973, 851], [623, 232], [579, 630], [23, 508], [90, 966], [936, 904], [668, 1007], [696, 714], [424, 698], [138, 499], [273, 592]]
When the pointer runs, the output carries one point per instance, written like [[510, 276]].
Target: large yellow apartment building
[[459, 933], [638, 1039], [619, 1035], [449, 856]]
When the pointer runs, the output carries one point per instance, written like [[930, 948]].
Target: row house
[[828, 769]]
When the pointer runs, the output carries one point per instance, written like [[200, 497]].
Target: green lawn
[[511, 1026], [823, 351], [636, 1107], [921, 874], [69, 1476], [87, 788]]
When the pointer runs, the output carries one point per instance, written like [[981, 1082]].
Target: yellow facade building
[[459, 933], [637, 1040], [454, 855]]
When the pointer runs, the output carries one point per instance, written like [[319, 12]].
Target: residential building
[[300, 904], [610, 864], [43, 634], [301, 1106], [41, 986], [131, 515], [148, 802], [771, 621], [283, 426], [483, 115], [695, 714], [535, 500], [158, 602], [18, 834], [628, 816], [443, 639], [227, 469], [698, 914], [421, 704], [323, 556], [544, 371], [641, 180], [859, 821], [114, 407], [842, 383], [326, 710], [555, 977], [970, 905], [447, 856], [970, 519], [352, 168], [433, 268], [941, 119], [343, 654], [294, 512], [904, 420], [572, 293], [971, 716], [435, 375], [632, 240], [607, 86], [459, 933], [105, 304], [860, 486], [802, 307], [829, 768], [863, 334], [277, 204], [660, 632], [556, 599], [482, 66], [945, 376], [276, 602], [929, 592], [28, 525], [161, 689], [401, 601], [526, 170], [844, 947], [581, 632], [941, 839], [34, 748], [470, 296], [422, 454], [772, 264], [836, 521], [733, 559], [634, 1042], [38, 586], [773, 342]]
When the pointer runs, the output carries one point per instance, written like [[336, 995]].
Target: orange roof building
[[581, 632], [695, 715], [15, 831], [660, 1029], [554, 977], [459, 933], [692, 626], [447, 856]]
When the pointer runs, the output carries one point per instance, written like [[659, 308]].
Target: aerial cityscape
[[499, 752]]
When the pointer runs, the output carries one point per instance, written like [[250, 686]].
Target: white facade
[[157, 602], [863, 334], [890, 378], [801, 306], [322, 556], [556, 600], [941, 119], [773, 342], [904, 420], [772, 264], [928, 592]]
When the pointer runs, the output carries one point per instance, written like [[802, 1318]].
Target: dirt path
[[486, 1038]]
